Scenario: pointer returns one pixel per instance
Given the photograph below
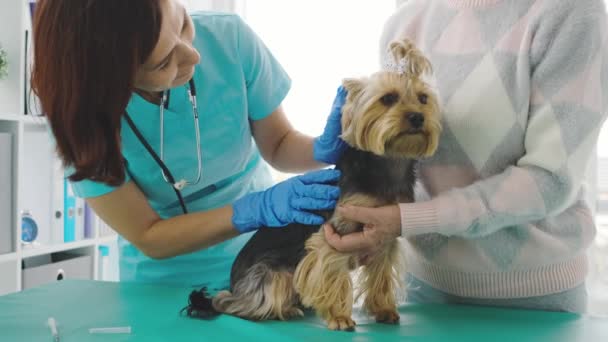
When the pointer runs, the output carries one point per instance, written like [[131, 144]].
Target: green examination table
[[153, 313]]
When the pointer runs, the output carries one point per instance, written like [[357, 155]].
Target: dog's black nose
[[416, 119]]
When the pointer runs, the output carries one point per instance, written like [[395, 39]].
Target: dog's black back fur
[[381, 177]]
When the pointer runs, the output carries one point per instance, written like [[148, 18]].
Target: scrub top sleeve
[[267, 83], [88, 188]]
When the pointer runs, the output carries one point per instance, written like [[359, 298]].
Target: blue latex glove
[[328, 147], [288, 202]]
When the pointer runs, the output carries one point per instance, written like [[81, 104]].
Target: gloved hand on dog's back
[[328, 147], [288, 202]]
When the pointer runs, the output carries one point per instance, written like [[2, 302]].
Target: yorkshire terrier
[[390, 120]]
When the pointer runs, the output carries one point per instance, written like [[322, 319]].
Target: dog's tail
[[260, 295], [200, 305]]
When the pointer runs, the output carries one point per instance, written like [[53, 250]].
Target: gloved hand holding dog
[[288, 202], [328, 147]]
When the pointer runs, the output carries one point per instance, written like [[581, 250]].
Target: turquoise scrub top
[[237, 80]]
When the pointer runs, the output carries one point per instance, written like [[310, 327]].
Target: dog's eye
[[389, 99], [423, 98]]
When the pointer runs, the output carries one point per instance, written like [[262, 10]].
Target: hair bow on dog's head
[[402, 57], [400, 66]]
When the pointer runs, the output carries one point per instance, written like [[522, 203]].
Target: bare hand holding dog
[[381, 225]]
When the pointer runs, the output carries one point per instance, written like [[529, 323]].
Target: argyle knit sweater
[[524, 89]]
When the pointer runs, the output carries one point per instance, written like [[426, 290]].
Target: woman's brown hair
[[86, 54]]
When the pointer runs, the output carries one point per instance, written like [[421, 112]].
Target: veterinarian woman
[[525, 91], [157, 113]]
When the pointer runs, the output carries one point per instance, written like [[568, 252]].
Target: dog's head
[[394, 112]]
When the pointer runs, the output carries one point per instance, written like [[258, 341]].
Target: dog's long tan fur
[[277, 298], [332, 292], [381, 280]]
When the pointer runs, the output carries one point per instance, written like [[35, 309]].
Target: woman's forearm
[[128, 212], [187, 233], [294, 154]]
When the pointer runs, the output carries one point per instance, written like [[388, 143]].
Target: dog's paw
[[341, 323], [387, 316]]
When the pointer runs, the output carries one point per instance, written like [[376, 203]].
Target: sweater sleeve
[[569, 97]]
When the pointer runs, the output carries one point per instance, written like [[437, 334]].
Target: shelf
[[27, 119], [41, 250], [107, 239], [10, 117], [33, 120], [36, 176], [8, 257]]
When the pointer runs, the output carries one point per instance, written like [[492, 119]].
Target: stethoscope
[[167, 176]]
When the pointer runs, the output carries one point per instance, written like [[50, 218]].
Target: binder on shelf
[[104, 262], [69, 210], [89, 222], [26, 72], [6, 200], [104, 229], [79, 220], [57, 202], [32, 8]]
